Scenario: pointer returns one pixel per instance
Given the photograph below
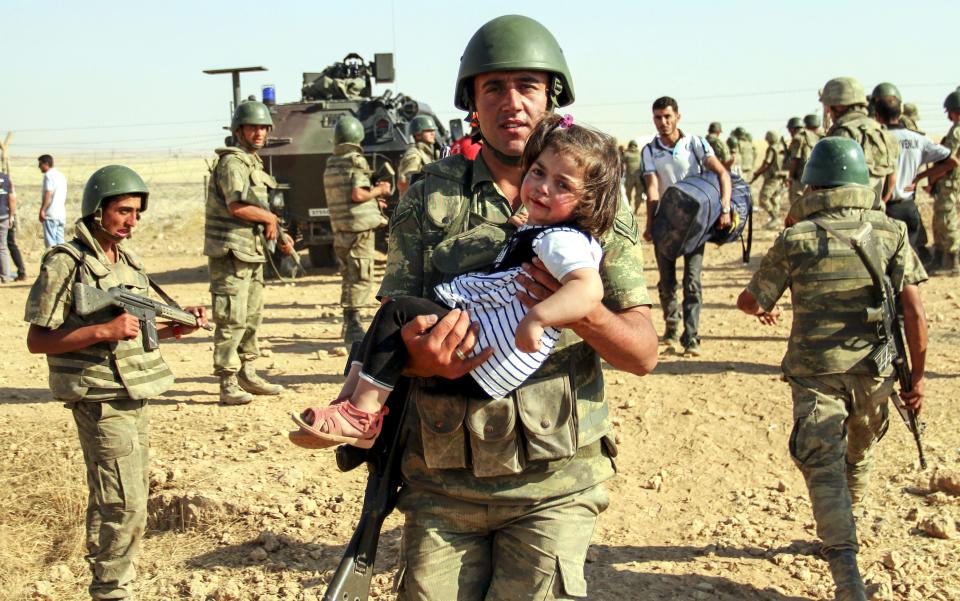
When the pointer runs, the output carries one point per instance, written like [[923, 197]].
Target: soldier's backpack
[[689, 210], [878, 149]]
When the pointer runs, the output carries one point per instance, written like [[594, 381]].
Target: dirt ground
[[707, 503]]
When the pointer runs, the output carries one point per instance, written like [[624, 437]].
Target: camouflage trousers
[[770, 193], [945, 221], [237, 290], [635, 193], [459, 550], [114, 438], [838, 420], [355, 253]]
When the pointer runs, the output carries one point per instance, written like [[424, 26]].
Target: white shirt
[[55, 182], [673, 164], [491, 299], [915, 150]]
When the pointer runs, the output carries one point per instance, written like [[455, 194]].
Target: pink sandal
[[311, 436]]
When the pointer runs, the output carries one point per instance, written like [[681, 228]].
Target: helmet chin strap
[[506, 159], [97, 217]]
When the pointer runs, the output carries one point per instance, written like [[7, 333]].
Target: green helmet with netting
[[348, 130], [714, 128], [812, 120], [834, 162], [885, 89], [843, 91], [251, 112], [422, 123], [771, 137], [794, 123], [632, 144], [952, 102], [513, 43], [737, 132], [109, 181]]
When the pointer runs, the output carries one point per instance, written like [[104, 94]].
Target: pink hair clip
[[566, 121]]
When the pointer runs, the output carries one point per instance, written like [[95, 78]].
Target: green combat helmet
[[771, 137], [910, 110], [738, 132], [714, 128], [836, 162], [348, 130], [794, 123], [632, 145], [843, 91], [885, 89], [251, 112], [812, 120], [952, 102], [112, 180], [513, 43], [422, 123]]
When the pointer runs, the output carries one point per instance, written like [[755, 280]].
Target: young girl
[[570, 190]]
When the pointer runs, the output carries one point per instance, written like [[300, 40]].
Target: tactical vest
[[225, 233], [834, 303], [544, 423], [808, 140], [951, 180], [777, 167], [880, 148], [106, 370], [346, 215]]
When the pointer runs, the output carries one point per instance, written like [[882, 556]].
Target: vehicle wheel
[[322, 256]]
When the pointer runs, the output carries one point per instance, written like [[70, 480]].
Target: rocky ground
[[707, 504]]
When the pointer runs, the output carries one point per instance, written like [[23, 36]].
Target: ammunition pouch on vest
[[868, 133], [557, 411], [105, 370], [223, 232]]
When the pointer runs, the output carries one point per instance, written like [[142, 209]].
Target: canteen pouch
[[547, 413], [441, 428], [494, 443], [473, 250]]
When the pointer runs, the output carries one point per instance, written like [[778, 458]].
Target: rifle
[[355, 571], [892, 350], [88, 300]]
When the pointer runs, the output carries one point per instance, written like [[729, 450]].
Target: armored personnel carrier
[[301, 140]]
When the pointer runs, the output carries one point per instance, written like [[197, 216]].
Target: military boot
[[846, 575], [353, 330], [231, 393], [254, 384]]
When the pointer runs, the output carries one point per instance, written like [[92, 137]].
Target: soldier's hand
[[433, 346], [648, 233], [789, 221], [386, 188], [200, 313], [914, 399], [122, 327], [285, 244], [270, 229], [769, 318], [519, 219]]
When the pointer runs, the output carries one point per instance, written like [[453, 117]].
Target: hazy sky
[[109, 75]]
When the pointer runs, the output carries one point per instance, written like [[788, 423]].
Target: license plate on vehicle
[[318, 212]]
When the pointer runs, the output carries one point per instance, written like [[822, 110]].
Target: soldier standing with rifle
[[774, 177], [101, 370], [838, 359], [422, 152], [238, 218], [801, 145], [633, 176], [355, 213], [511, 519]]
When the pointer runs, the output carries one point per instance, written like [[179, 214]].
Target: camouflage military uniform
[[774, 179], [533, 471], [719, 148], [633, 178], [946, 195], [880, 147], [748, 157], [840, 406], [733, 145], [106, 386], [353, 223], [236, 254], [416, 156], [800, 148]]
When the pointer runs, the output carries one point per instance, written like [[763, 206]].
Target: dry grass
[[42, 505]]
